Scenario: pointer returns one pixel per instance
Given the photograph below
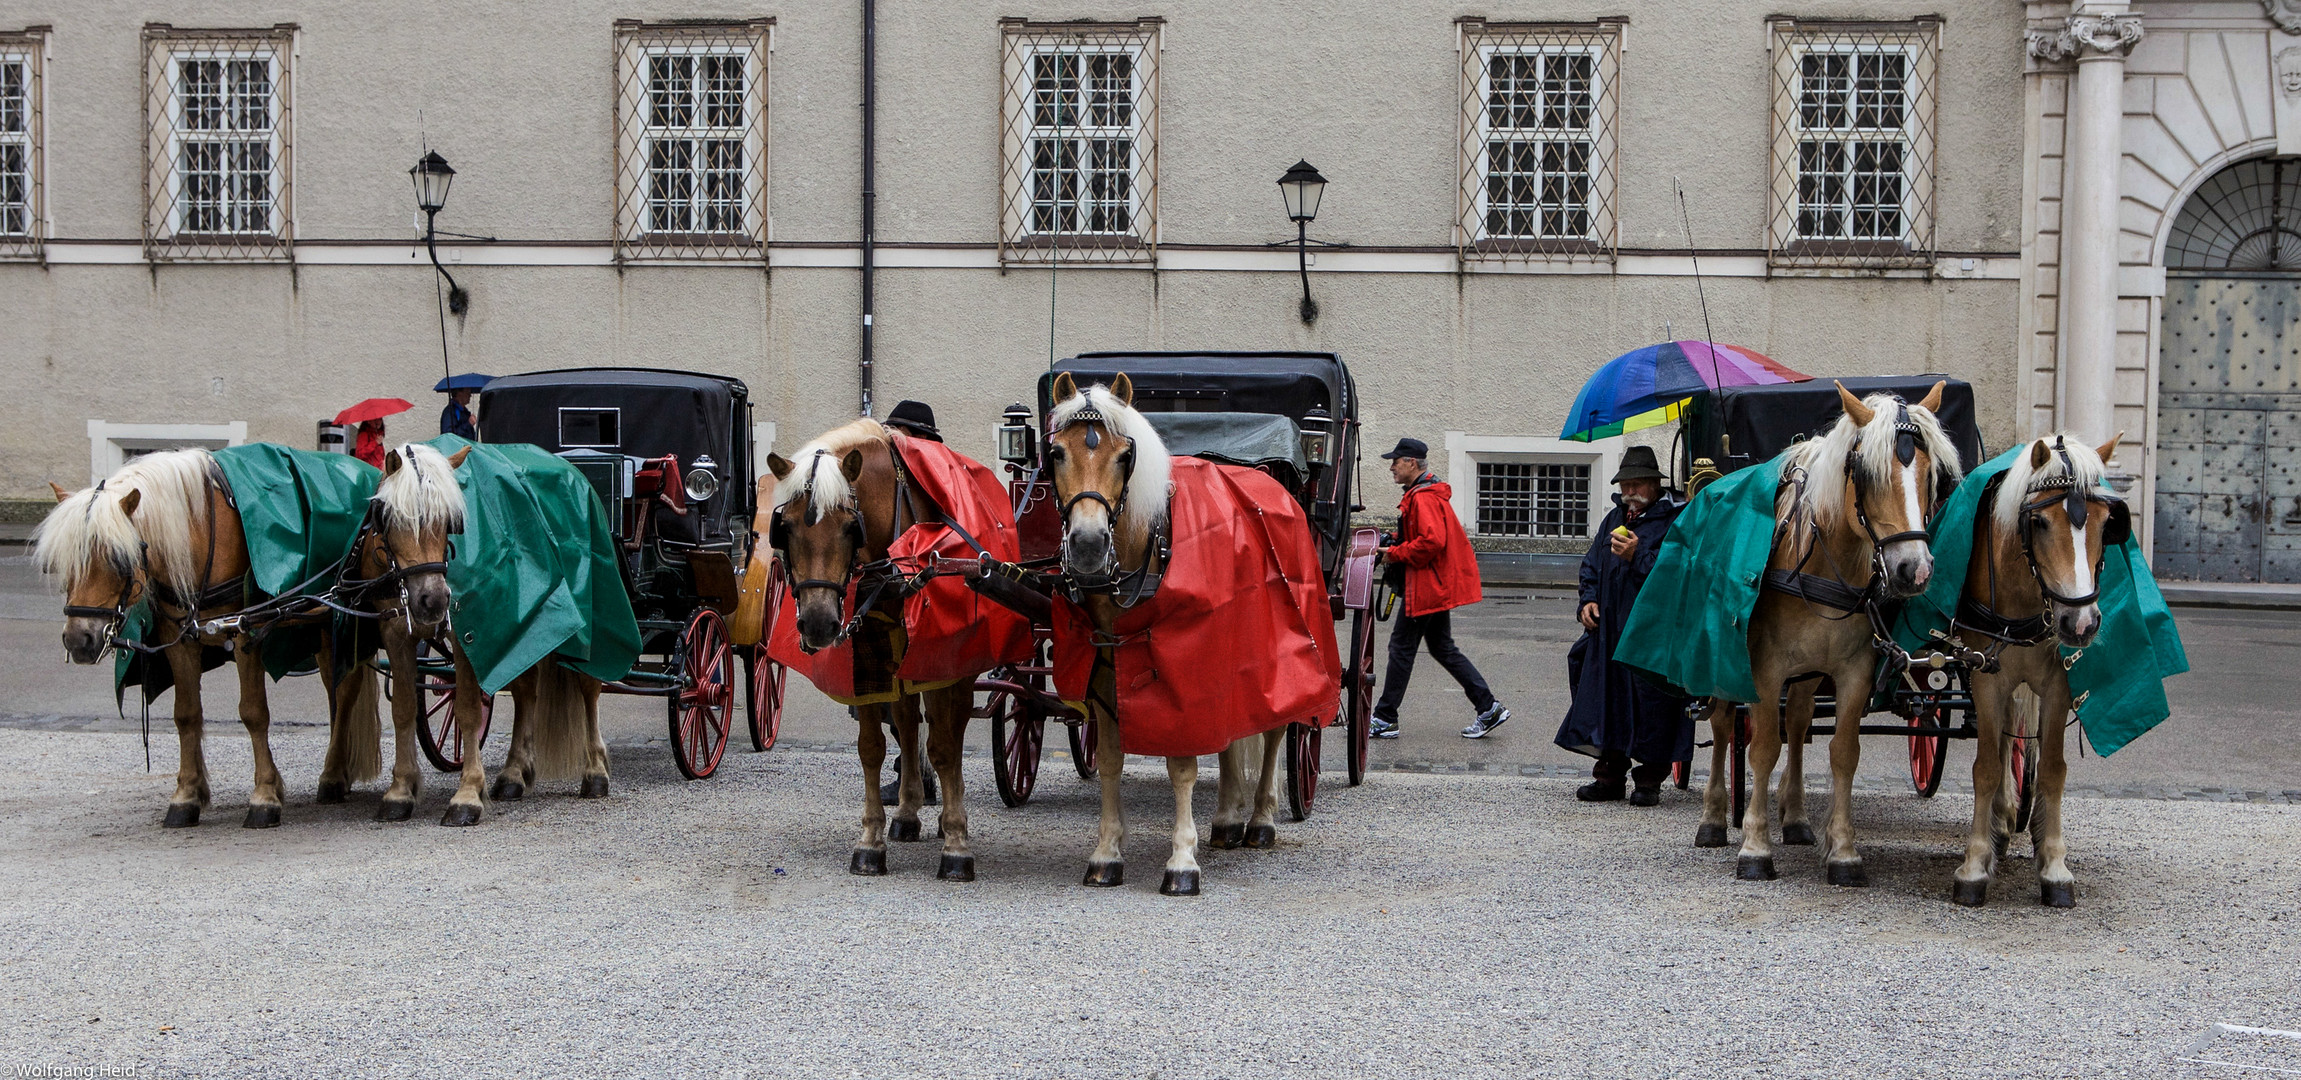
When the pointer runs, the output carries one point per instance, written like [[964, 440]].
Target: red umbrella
[[375, 408]]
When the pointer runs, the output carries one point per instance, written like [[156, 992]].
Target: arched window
[[2246, 218]]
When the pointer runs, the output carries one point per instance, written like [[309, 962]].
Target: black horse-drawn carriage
[[669, 455], [1291, 415]]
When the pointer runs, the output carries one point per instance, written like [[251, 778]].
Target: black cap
[[1637, 464], [1413, 448], [915, 417]]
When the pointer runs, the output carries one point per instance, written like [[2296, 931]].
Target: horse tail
[[360, 730], [562, 738]]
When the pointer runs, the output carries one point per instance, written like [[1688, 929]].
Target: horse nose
[[817, 628], [2077, 626], [1088, 549], [81, 646]]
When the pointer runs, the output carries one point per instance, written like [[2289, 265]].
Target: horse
[[1850, 519], [165, 525], [1097, 443], [2032, 586], [834, 509]]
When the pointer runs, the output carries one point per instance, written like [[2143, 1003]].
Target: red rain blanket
[[949, 631], [1239, 638]]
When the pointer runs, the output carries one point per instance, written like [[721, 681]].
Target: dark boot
[[891, 792], [1646, 795], [1600, 791]]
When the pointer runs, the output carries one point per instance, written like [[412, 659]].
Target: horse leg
[[1717, 799], [595, 753], [1262, 828], [1796, 829], [466, 805], [913, 793], [518, 772], [870, 856], [191, 795], [256, 714], [1230, 810], [406, 712], [1107, 866], [1755, 862], [947, 713], [1990, 698], [1840, 858], [2056, 886], [1182, 866]]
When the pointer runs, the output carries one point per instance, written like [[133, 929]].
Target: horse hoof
[[1849, 874], [1799, 833], [182, 815], [1262, 836], [332, 792], [1755, 868], [2060, 894], [905, 831], [1970, 893], [460, 814], [1226, 836], [395, 810], [1106, 875], [956, 868], [262, 816], [1710, 836], [1179, 883], [868, 862], [594, 787], [507, 789]]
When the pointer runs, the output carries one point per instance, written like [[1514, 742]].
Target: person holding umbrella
[[368, 445], [456, 418]]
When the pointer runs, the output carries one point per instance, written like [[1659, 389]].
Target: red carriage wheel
[[1928, 752], [1302, 766], [1083, 743], [765, 680], [1018, 734], [1682, 773], [703, 706], [438, 734], [2022, 757], [1358, 690]]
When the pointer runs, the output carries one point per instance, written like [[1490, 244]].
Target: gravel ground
[[711, 930]]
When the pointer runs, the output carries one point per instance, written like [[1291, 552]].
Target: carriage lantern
[[1015, 435], [699, 481], [1317, 436]]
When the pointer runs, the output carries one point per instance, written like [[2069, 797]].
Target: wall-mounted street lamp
[[1302, 187], [433, 177]]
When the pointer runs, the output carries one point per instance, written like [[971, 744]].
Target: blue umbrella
[[470, 380]]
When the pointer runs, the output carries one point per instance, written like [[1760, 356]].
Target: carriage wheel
[[1928, 753], [438, 734], [1682, 773], [704, 704], [2024, 762], [766, 680], [1738, 763], [1083, 741], [1358, 691], [1302, 766], [1018, 733]]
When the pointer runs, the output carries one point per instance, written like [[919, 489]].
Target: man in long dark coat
[[1616, 717]]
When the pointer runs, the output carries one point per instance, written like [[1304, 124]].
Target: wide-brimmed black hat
[[915, 417], [1637, 464], [1413, 448]]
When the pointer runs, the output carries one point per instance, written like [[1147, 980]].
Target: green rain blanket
[[2121, 674], [1689, 630], [535, 573], [299, 510]]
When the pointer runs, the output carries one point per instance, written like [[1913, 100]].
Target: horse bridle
[[1905, 452], [359, 593], [779, 539], [2075, 503], [1127, 588]]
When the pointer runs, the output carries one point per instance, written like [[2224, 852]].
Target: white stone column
[[2086, 387]]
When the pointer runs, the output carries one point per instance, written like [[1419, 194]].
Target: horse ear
[[1123, 389], [61, 494], [2039, 454], [851, 466], [1066, 387], [130, 501], [1860, 413], [777, 465], [2108, 448], [391, 462], [1932, 402], [456, 462]]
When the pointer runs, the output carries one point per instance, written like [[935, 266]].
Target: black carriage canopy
[[642, 412], [1285, 383], [1748, 425]]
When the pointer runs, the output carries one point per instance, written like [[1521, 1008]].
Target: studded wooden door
[[2229, 430]]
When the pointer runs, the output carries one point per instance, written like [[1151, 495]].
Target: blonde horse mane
[[86, 527], [819, 472], [172, 506], [2084, 466], [422, 495], [1870, 448], [1152, 484]]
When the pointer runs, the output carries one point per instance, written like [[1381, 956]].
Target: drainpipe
[[870, 193]]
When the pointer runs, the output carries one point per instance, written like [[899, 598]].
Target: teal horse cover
[[536, 572]]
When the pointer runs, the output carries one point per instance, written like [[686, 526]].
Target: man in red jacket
[[1441, 575]]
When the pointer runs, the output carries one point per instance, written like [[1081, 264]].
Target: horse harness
[[1984, 618], [1128, 588], [1832, 591]]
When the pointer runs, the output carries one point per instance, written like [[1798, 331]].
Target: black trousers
[[1407, 636]]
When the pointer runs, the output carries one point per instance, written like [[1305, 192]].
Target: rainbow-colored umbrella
[[1651, 386]]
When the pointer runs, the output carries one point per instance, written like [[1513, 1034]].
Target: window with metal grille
[[692, 143], [1853, 146], [21, 225], [1080, 144], [1528, 498], [218, 179], [1537, 155]]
